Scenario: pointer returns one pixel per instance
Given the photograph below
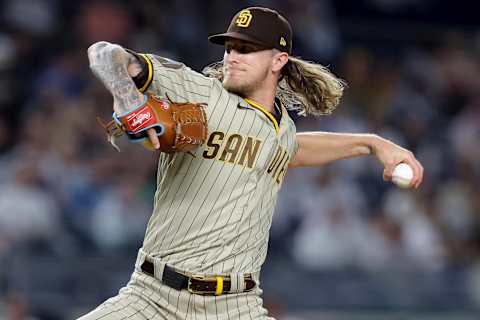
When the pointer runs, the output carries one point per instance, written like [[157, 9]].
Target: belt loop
[[140, 258], [159, 267], [237, 282]]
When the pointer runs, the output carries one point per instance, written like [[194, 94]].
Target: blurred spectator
[[465, 135], [315, 28], [17, 308], [104, 21], [37, 17], [26, 209], [420, 238], [120, 217], [331, 224]]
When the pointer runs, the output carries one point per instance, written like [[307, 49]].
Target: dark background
[[344, 243]]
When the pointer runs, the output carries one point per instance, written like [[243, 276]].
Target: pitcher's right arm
[[115, 67]]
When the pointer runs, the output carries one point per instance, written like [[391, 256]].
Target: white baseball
[[402, 175]]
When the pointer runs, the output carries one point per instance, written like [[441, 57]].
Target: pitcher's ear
[[279, 60]]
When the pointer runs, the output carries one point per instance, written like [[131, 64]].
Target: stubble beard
[[245, 85], [241, 86], [237, 87]]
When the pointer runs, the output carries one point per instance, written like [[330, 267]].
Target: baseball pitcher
[[227, 142]]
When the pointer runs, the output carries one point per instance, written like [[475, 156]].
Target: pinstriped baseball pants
[[145, 297]]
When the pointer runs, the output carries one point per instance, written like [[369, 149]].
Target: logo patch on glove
[[140, 119]]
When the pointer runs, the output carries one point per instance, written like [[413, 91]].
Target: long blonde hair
[[305, 87]]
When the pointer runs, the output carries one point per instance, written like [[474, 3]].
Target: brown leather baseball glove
[[180, 127]]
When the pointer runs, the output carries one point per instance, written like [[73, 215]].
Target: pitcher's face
[[245, 66]]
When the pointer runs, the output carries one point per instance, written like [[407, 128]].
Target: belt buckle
[[219, 287]]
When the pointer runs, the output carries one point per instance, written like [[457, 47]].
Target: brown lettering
[[250, 151], [279, 163], [283, 170], [231, 148], [213, 144], [275, 160]]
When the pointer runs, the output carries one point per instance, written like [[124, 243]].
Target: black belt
[[214, 285]]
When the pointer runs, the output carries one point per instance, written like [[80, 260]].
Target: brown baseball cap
[[262, 26]]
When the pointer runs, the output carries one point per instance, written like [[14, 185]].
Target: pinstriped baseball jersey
[[213, 208]]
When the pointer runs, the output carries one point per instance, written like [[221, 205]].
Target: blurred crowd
[[63, 185]]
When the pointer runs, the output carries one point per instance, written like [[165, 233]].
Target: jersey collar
[[250, 104]]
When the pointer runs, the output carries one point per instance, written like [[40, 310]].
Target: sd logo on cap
[[262, 26], [244, 18]]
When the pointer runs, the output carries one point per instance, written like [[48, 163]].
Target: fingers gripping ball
[[402, 175], [180, 127]]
